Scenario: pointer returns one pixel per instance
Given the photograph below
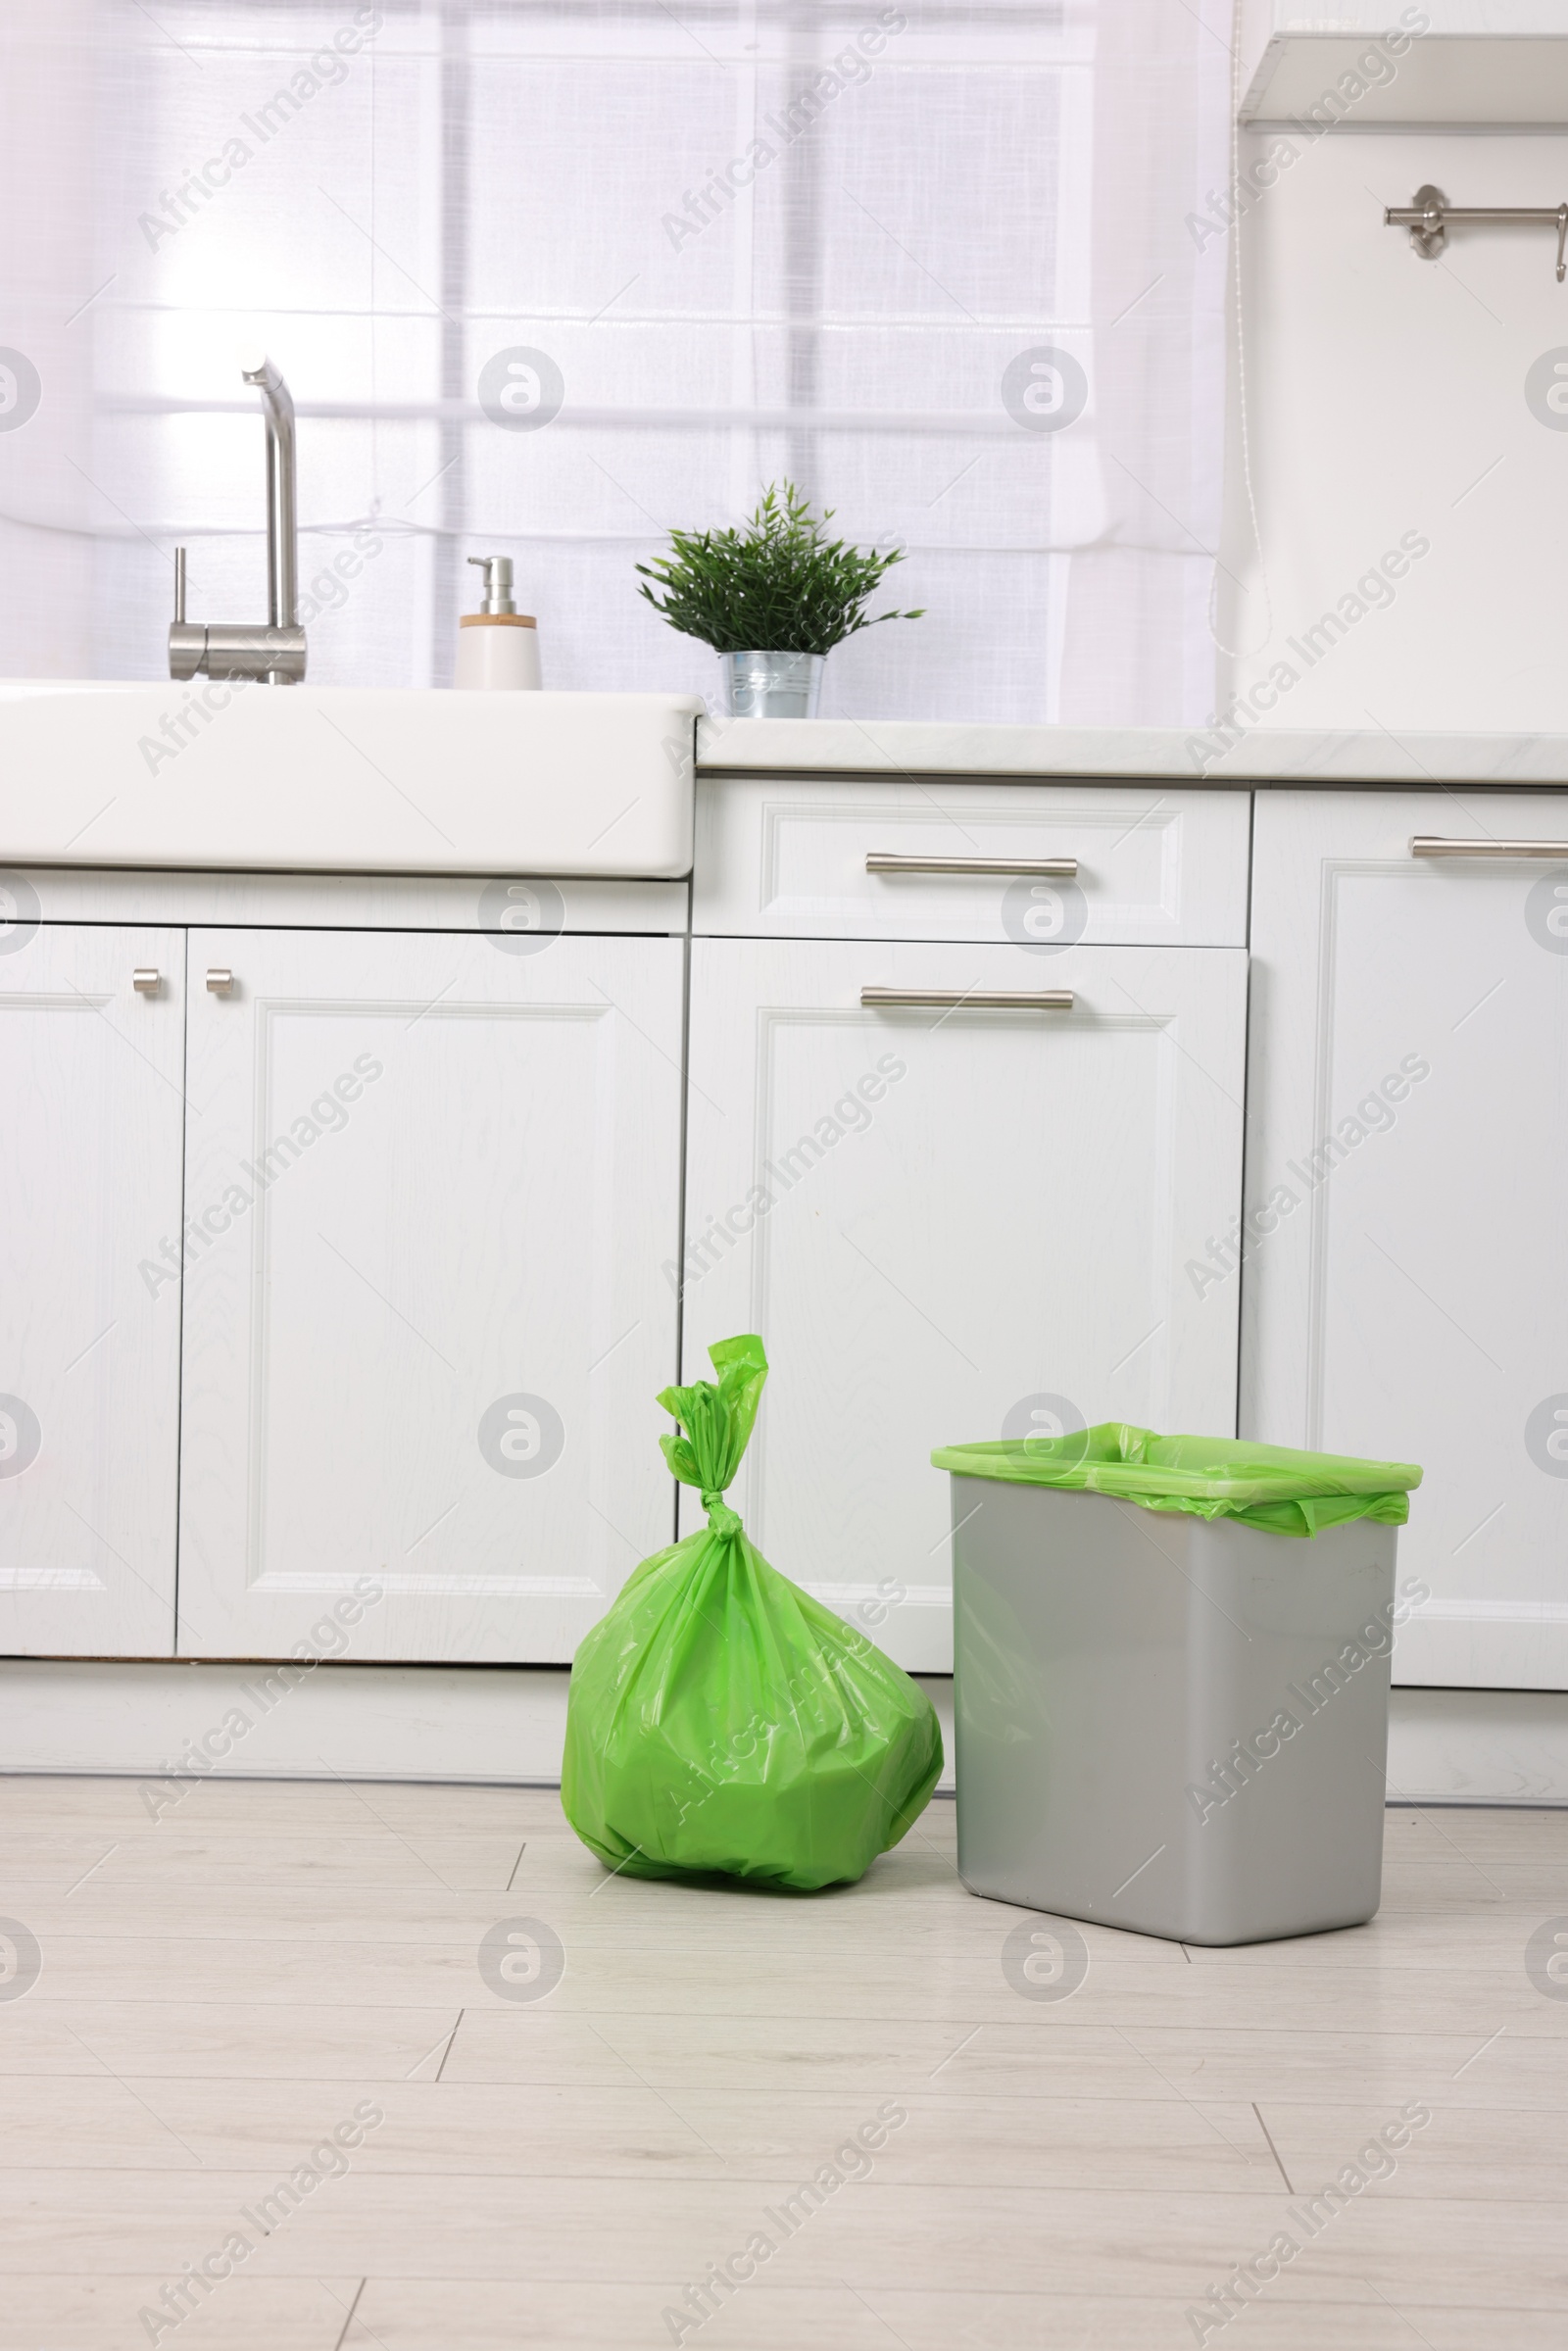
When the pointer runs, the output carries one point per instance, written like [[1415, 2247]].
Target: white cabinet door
[[1408, 1119], [952, 1224], [431, 1185], [91, 1106]]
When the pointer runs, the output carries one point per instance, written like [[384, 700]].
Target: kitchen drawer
[[1136, 865]]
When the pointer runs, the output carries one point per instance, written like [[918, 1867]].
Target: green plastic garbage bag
[[719, 1719], [1268, 1485]]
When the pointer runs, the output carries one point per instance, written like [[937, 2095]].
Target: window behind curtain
[[930, 260]]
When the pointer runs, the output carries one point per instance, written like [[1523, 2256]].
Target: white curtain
[[546, 280]]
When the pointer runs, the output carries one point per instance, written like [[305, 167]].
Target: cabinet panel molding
[[952, 1224], [432, 1188], [1409, 1112], [92, 1081]]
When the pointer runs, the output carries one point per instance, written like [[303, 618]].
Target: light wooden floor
[[220, 1987]]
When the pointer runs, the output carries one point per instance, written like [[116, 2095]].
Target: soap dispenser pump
[[497, 646]]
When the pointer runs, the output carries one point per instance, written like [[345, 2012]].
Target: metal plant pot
[[770, 685]]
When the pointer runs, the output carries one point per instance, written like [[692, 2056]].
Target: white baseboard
[[1479, 1746], [364, 1722], [505, 1724], [481, 1723]]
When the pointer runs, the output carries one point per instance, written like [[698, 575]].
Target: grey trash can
[[1167, 1722]]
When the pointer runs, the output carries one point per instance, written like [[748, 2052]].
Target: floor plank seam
[[349, 2320]]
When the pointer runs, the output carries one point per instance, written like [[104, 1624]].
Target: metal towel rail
[[1432, 215]]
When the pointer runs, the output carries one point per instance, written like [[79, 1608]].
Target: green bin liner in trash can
[[722, 1722], [1171, 1682], [1269, 1486]]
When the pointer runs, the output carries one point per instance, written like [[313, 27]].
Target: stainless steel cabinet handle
[[220, 979], [1429, 845], [885, 861], [146, 979], [1045, 1000]]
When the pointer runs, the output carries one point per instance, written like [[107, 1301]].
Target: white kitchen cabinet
[[823, 858], [92, 1103], [952, 1224], [1406, 1293], [431, 1185], [1448, 65]]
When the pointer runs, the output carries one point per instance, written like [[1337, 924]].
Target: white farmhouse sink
[[335, 779]]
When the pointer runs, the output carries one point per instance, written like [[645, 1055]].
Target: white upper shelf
[[1512, 76]]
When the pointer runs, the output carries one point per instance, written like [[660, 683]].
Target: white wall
[[1387, 395]]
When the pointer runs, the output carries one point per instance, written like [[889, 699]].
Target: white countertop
[[1263, 756]]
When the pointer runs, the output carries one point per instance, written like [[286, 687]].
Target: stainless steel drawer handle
[[1045, 1000], [1429, 845], [885, 861], [146, 979], [220, 979]]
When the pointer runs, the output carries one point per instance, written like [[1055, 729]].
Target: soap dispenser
[[497, 646]]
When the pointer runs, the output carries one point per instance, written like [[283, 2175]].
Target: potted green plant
[[772, 599]]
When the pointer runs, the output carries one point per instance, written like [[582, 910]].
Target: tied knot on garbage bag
[[722, 1722], [721, 1519]]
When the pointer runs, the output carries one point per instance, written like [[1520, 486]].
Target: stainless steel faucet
[[274, 650]]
